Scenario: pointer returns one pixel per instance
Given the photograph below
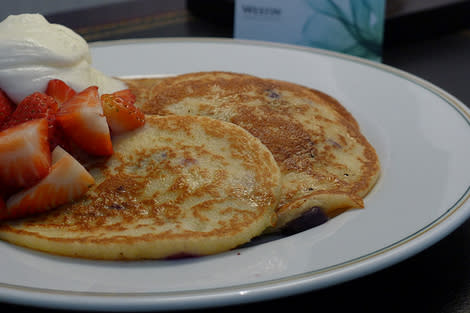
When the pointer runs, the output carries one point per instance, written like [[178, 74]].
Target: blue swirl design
[[353, 27]]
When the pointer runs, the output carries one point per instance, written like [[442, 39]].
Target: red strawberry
[[25, 156], [83, 121], [60, 139], [59, 90], [121, 113], [34, 106], [6, 107], [67, 181], [126, 94]]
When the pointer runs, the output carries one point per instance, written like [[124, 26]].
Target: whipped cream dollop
[[34, 51]]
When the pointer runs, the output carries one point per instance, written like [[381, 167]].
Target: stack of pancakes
[[223, 158]]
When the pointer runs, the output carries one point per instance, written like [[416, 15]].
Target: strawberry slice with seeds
[[66, 182], [6, 107], [83, 121], [59, 90], [25, 156], [121, 113], [126, 94], [35, 106]]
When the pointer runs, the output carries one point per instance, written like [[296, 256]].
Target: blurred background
[[430, 39], [404, 19]]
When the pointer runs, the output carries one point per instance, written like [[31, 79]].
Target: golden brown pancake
[[324, 158], [180, 185]]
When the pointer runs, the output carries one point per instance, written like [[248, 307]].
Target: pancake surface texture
[[325, 160], [180, 185]]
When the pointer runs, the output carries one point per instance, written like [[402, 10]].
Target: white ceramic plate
[[421, 134]]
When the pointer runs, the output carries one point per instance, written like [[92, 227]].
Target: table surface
[[435, 280]]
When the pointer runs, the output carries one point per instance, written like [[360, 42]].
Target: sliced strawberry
[[35, 106], [25, 156], [59, 138], [67, 181], [59, 90], [83, 121], [127, 95], [121, 113], [6, 107]]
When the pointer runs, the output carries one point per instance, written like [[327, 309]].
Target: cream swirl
[[33, 51]]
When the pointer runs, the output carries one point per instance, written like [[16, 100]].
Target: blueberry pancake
[[325, 160], [180, 185]]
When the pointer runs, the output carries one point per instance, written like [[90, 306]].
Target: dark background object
[[427, 24]]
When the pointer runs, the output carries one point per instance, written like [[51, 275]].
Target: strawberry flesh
[[67, 181], [83, 121], [120, 112], [35, 106], [126, 94], [59, 90], [25, 156]]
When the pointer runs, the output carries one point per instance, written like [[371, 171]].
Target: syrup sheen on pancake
[[325, 160], [180, 185]]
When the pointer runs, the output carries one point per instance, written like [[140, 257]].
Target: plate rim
[[350, 269]]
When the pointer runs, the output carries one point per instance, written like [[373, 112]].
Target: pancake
[[180, 185], [325, 160]]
